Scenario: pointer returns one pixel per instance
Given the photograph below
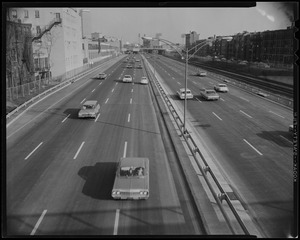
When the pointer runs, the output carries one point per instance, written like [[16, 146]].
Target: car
[[181, 93], [129, 66], [90, 108], [102, 75], [127, 78], [140, 66], [202, 73], [144, 80], [209, 94], [131, 179], [291, 128], [221, 87], [137, 60]]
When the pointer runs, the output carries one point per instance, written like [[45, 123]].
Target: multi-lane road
[[249, 140], [60, 169]]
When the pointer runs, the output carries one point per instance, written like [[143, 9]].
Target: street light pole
[[207, 42], [185, 100]]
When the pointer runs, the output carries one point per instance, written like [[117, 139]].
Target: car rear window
[[131, 171]]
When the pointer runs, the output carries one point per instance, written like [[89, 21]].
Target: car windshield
[[132, 171], [127, 76], [222, 85], [88, 106], [210, 92]]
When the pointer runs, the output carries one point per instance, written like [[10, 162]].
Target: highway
[[249, 140], [60, 169]]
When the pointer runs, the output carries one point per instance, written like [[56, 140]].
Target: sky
[[127, 23]]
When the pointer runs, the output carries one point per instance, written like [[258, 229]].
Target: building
[[19, 58], [191, 38], [85, 23], [57, 38], [273, 48], [277, 47]]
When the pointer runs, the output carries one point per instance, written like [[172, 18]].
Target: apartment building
[[57, 38]]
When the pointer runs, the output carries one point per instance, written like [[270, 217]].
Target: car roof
[[183, 89], [90, 102], [127, 76], [133, 162]]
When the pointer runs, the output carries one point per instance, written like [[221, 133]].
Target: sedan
[[102, 75], [89, 109], [127, 78], [144, 80], [221, 87], [202, 73], [129, 66], [132, 179]]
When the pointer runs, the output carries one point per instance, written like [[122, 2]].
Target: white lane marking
[[125, 149], [38, 222], [94, 89], [82, 100], [253, 147], [286, 139], [245, 114], [113, 90], [130, 100], [33, 151], [131, 90], [128, 120], [277, 114], [97, 117], [179, 83], [106, 101], [244, 99], [222, 99], [198, 99], [173, 78], [116, 83], [65, 118], [217, 116], [133, 83], [78, 150], [116, 221], [99, 84]]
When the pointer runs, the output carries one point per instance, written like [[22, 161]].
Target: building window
[[26, 15], [37, 14], [57, 15], [38, 30], [14, 13], [83, 46]]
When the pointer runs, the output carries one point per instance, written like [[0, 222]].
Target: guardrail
[[196, 153], [67, 81]]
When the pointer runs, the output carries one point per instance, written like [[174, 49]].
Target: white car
[[209, 94], [181, 93], [201, 73], [291, 128], [90, 108], [221, 87], [132, 179], [127, 78], [144, 80]]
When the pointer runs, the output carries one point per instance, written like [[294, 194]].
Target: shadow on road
[[73, 112], [99, 180], [281, 138]]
